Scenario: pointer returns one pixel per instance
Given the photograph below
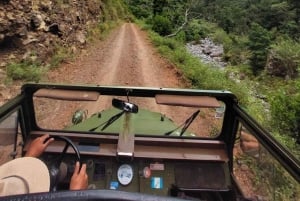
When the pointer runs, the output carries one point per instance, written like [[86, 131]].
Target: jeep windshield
[[169, 115]]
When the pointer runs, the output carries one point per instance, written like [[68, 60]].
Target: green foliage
[[114, 10], [144, 24], [101, 30], [26, 70], [286, 52], [193, 31], [280, 16], [197, 29], [271, 179], [259, 42], [221, 37], [158, 6], [140, 8], [175, 12], [285, 109], [162, 25], [60, 55], [160, 12], [248, 30], [231, 15], [180, 37], [288, 142], [235, 16], [235, 51], [200, 75]]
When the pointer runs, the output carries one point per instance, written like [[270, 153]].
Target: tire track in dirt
[[122, 66], [130, 63]]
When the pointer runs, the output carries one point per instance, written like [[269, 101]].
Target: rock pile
[[31, 29], [208, 52]]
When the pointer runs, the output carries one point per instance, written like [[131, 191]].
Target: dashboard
[[146, 165], [156, 177]]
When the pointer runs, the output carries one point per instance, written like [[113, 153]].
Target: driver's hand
[[38, 146], [79, 180]]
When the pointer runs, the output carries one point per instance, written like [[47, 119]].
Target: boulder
[[208, 52]]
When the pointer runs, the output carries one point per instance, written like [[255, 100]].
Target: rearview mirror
[[125, 106]]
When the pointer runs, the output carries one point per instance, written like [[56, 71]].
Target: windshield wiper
[[185, 125], [188, 122], [109, 122], [112, 120]]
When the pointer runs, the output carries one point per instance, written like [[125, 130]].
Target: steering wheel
[[84, 195], [54, 166]]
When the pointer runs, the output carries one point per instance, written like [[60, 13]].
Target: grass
[[201, 75], [33, 71], [206, 77], [101, 30], [271, 180], [25, 71], [60, 55]]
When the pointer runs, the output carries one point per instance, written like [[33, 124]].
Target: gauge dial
[[125, 174]]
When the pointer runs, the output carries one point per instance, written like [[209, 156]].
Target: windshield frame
[[226, 97]]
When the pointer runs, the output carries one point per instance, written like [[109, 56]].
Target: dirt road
[[125, 58]]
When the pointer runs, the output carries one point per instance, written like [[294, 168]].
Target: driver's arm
[[79, 180], [38, 146]]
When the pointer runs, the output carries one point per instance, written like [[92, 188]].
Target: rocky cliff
[[32, 29]]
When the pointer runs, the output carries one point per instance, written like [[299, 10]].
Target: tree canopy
[[261, 34]]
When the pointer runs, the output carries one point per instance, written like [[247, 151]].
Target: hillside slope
[[42, 32]]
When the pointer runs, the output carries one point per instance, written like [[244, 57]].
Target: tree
[[259, 42], [140, 8], [158, 6]]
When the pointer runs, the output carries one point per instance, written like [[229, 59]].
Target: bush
[[60, 55], [197, 29], [221, 37], [286, 53], [180, 37], [192, 31], [285, 109], [24, 71], [235, 47], [162, 25]]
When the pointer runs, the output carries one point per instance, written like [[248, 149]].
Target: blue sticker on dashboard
[[114, 185], [157, 182]]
